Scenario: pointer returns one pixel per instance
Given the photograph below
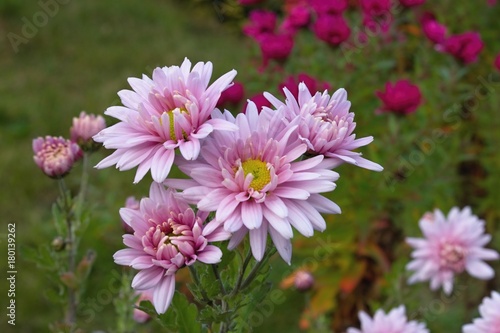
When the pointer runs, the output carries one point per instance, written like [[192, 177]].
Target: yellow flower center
[[171, 119], [260, 172]]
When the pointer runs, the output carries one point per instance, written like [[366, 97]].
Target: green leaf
[[186, 314]]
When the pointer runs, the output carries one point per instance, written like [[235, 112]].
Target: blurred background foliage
[[433, 158]]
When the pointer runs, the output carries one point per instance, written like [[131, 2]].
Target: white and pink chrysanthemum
[[393, 322], [452, 244], [490, 316], [168, 235], [326, 126], [255, 183], [169, 111]]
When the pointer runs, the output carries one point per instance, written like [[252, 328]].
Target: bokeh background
[[442, 155]]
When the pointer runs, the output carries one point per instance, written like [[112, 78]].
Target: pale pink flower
[[325, 125], [393, 322], [452, 245], [84, 128], [170, 111], [254, 182], [490, 316], [168, 235], [55, 155]]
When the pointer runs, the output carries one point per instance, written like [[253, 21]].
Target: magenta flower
[[325, 125], [393, 322], [496, 63], [170, 111], [402, 97], [253, 181], [465, 47], [55, 156], [232, 95], [259, 100], [376, 25], [490, 316], [376, 7], [411, 3], [329, 7], [332, 29], [451, 245], [433, 30], [84, 128], [262, 22], [275, 46], [298, 17], [168, 235], [292, 84]]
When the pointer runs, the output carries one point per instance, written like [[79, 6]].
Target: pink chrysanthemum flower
[[168, 235], [326, 126], [55, 155], [490, 316], [255, 184], [393, 322], [170, 111], [451, 245]]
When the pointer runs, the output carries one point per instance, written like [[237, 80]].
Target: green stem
[[71, 311], [257, 267], [84, 181], [218, 278], [196, 280], [241, 274]]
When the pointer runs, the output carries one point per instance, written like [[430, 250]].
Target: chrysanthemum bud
[[84, 128], [55, 155], [303, 280]]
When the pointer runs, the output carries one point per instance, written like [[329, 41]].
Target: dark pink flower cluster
[[465, 47]]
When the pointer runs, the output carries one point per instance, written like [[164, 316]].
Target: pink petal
[[210, 255], [479, 269], [148, 278], [276, 205], [162, 163], [279, 224], [258, 239], [163, 294], [226, 208], [236, 238], [251, 214], [291, 193], [283, 245], [126, 256]]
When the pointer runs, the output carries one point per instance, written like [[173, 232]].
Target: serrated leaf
[[186, 314]]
